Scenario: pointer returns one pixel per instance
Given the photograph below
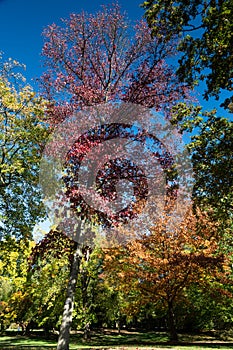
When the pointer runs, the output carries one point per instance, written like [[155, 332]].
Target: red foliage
[[94, 59]]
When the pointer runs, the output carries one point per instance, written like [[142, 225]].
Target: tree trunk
[[171, 323], [87, 331], [118, 326], [85, 280], [64, 334]]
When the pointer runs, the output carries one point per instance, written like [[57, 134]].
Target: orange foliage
[[164, 262]]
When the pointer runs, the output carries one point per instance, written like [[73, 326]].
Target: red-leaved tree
[[94, 59], [97, 59]]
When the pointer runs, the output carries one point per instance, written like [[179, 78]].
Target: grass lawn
[[111, 340]]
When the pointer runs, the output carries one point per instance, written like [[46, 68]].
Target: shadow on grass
[[110, 339], [150, 339]]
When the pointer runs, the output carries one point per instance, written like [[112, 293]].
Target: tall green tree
[[205, 29], [22, 136], [213, 163], [211, 152]]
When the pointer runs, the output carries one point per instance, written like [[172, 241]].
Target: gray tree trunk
[[64, 335]]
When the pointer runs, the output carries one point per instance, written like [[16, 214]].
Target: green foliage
[[44, 292], [207, 309], [205, 29], [13, 272], [213, 163], [95, 302], [211, 151], [22, 136], [101, 305], [48, 274]]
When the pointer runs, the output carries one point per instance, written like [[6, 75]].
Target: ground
[[110, 340]]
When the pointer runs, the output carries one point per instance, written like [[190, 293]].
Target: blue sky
[[22, 23]]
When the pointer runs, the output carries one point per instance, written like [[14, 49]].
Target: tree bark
[[85, 280], [171, 323], [64, 334], [87, 331]]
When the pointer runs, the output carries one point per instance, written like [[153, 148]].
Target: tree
[[205, 30], [206, 308], [22, 136], [162, 264], [13, 269], [212, 162], [49, 270], [47, 275], [210, 150], [93, 60]]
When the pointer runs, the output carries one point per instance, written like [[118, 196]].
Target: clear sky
[[22, 23]]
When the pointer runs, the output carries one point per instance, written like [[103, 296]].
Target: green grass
[[111, 340], [18, 342]]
